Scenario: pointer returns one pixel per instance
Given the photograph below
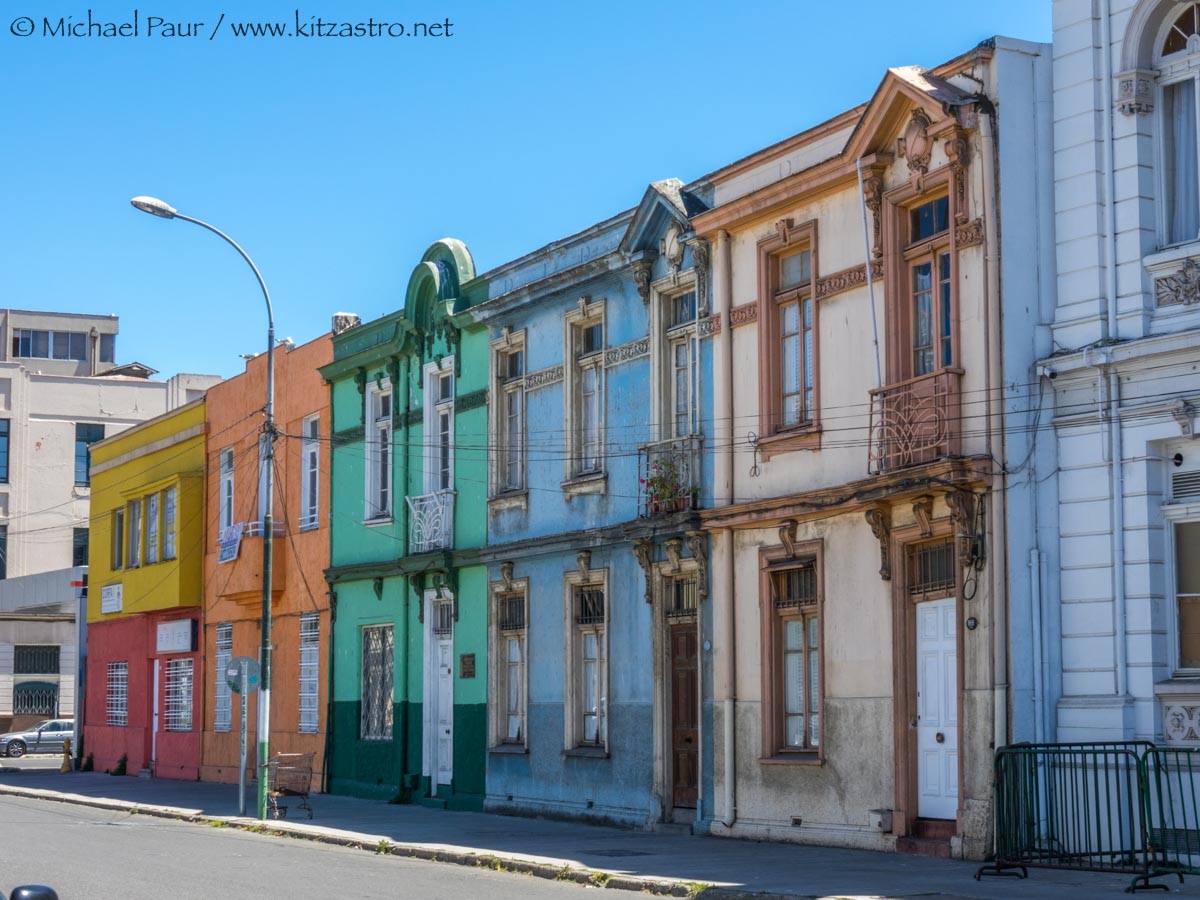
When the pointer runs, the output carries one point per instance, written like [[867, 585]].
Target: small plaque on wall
[[466, 665]]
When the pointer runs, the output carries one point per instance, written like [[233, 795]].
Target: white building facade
[[1125, 374]]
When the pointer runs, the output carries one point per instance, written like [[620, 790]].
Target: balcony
[[914, 421], [241, 576], [432, 522], [669, 476]]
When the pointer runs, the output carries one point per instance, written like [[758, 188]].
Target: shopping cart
[[289, 775]]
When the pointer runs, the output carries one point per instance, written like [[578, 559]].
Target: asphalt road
[[93, 854]]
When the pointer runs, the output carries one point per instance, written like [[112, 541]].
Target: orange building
[[233, 586]]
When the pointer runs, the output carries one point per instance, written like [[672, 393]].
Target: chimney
[[344, 321]]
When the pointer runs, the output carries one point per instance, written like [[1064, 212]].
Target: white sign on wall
[[175, 637], [110, 598]]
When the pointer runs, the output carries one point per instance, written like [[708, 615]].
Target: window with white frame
[[377, 667], [310, 666], [169, 498], [584, 390], [179, 694], [152, 504], [511, 654], [225, 498], [1183, 520], [1178, 61], [223, 714], [592, 664], [439, 426], [379, 451], [135, 533], [310, 469], [508, 362], [116, 700], [118, 538], [684, 373]]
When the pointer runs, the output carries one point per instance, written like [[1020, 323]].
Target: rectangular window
[[117, 698], [510, 427], [169, 522], [1187, 592], [583, 391], [86, 434], [36, 659], [3, 551], [33, 344], [791, 327], [179, 695], [79, 547], [310, 470], [794, 596], [440, 423], [591, 414], [152, 505], [682, 352], [225, 498], [118, 538], [108, 348], [1181, 175], [510, 671], [930, 286], [4, 429], [377, 663], [310, 667], [379, 453], [223, 713], [592, 666], [135, 533]]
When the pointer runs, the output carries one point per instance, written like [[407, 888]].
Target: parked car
[[44, 737]]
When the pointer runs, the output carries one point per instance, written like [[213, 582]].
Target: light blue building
[[599, 688]]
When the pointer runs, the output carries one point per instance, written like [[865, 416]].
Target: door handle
[[940, 738], [912, 723]]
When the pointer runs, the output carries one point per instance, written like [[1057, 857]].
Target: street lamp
[[157, 207]]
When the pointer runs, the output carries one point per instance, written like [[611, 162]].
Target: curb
[[662, 887]]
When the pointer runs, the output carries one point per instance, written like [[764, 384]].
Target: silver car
[[44, 737]]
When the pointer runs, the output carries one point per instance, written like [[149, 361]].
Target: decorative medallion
[[917, 147], [968, 235], [672, 248], [1182, 288]]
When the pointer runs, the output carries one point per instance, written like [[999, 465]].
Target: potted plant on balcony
[[666, 490]]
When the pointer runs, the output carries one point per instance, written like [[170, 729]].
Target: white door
[[154, 718], [937, 710], [445, 711], [439, 690]]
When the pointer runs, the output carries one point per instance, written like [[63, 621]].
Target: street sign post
[[242, 677]]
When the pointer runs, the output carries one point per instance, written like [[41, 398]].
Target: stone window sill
[[805, 437], [591, 483], [372, 523], [1167, 258], [807, 758], [587, 752], [509, 750], [509, 500]]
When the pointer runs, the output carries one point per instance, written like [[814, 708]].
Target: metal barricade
[[1070, 806], [1173, 810]]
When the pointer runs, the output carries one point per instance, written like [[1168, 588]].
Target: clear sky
[[335, 161]]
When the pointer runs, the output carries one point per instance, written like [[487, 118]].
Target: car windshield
[[42, 726]]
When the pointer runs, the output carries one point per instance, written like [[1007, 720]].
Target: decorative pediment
[[435, 286], [664, 203]]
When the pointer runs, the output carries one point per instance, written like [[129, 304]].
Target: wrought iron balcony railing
[[432, 522], [914, 421], [669, 476]]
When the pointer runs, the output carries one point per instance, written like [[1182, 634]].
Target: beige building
[[861, 660]]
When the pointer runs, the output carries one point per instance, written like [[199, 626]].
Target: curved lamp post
[[157, 207]]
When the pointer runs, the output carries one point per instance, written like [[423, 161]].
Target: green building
[[408, 716]]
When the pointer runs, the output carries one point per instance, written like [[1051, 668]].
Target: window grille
[[224, 704], [931, 569], [310, 664], [35, 699], [510, 612], [589, 606], [376, 721], [35, 660], [117, 699], [795, 588], [681, 597], [443, 618], [179, 695]]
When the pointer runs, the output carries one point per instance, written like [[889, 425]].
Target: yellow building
[[146, 563]]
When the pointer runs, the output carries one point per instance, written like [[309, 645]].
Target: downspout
[[698, 428], [401, 392], [995, 430], [1110, 333], [327, 762], [1035, 617], [725, 620]]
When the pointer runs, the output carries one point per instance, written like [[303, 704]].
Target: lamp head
[[154, 206]]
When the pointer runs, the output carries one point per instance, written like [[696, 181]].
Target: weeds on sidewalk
[[384, 847]]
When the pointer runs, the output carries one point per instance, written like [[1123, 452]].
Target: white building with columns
[[1124, 635]]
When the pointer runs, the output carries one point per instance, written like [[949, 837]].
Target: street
[[92, 854]]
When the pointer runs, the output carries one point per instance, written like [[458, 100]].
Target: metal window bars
[[310, 665], [432, 522], [179, 695], [35, 699], [510, 612], [36, 659], [681, 597], [794, 587], [223, 712], [377, 664], [116, 700], [931, 569], [589, 606], [443, 618]]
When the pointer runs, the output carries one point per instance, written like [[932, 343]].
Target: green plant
[[384, 847], [89, 764], [665, 486], [119, 769]]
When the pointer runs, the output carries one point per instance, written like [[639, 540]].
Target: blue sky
[[336, 161]]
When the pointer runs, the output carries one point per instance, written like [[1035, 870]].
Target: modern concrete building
[[1122, 386]]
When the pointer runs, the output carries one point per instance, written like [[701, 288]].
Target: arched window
[[1178, 64]]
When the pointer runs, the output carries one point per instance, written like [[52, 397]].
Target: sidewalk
[[636, 860]]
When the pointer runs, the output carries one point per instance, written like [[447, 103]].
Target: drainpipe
[[725, 620], [995, 430], [400, 392], [327, 762], [1035, 617], [1109, 301]]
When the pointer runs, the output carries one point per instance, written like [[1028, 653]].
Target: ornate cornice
[[710, 326], [848, 279], [743, 315], [627, 352], [544, 377], [470, 401], [968, 235]]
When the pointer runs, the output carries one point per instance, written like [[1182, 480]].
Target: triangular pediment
[[902, 91], [664, 202]]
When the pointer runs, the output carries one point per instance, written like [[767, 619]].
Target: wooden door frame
[[904, 671], [664, 775], [429, 742]]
